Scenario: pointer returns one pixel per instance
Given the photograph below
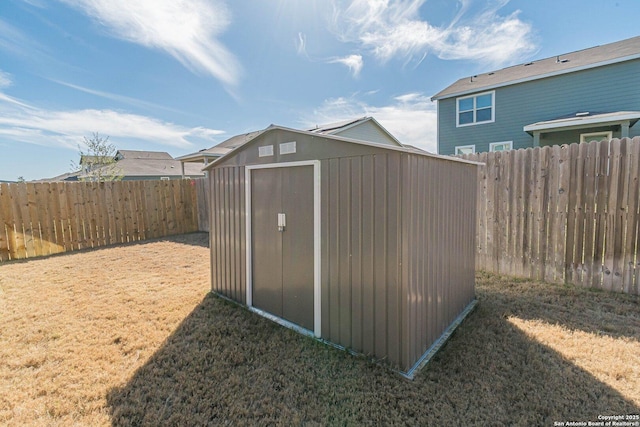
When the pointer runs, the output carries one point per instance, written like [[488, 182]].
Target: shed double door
[[283, 255]]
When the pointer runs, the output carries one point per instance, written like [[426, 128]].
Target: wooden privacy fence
[[47, 218], [564, 214]]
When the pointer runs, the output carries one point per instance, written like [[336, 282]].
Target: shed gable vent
[[265, 151], [288, 147]]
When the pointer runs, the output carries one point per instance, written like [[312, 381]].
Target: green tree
[[21, 179], [97, 161]]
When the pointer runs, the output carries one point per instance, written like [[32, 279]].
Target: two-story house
[[591, 94]]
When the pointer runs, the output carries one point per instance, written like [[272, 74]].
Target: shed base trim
[[279, 320], [437, 345], [410, 374]]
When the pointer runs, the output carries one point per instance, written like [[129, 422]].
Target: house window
[[465, 149], [501, 146], [596, 136], [475, 109], [164, 178]]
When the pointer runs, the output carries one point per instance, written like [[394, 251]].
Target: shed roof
[[404, 149], [597, 56]]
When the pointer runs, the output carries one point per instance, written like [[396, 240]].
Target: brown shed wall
[[438, 248], [227, 232], [361, 292], [397, 243]]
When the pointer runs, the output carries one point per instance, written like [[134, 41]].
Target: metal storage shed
[[366, 246]]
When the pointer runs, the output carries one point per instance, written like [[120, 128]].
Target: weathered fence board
[[46, 218], [564, 214]]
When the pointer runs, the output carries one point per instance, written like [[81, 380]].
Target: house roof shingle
[[592, 57]]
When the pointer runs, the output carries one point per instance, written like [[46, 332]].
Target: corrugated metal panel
[[360, 281], [227, 223], [438, 247]]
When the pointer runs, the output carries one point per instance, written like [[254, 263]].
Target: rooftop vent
[[528, 63], [561, 61], [491, 73]]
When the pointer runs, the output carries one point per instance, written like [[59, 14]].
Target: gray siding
[[605, 89], [368, 131]]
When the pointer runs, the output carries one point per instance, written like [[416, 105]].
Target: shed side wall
[[439, 204], [361, 300], [227, 232]]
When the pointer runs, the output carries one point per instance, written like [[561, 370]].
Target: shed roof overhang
[[389, 147], [628, 118]]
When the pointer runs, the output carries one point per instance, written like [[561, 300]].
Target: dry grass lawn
[[128, 335]]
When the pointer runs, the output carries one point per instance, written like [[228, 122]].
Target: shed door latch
[[282, 221]]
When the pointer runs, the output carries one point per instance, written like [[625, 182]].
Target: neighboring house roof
[[339, 127], [144, 155], [69, 176], [219, 150], [401, 148], [624, 50], [140, 164], [150, 167]]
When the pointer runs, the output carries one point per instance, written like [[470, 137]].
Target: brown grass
[[129, 336]]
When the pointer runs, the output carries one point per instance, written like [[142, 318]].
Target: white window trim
[[317, 294], [584, 137], [472, 146], [475, 95], [493, 144]]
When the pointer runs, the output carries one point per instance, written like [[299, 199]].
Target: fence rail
[[564, 214], [47, 218]]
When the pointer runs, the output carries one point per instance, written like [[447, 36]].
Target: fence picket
[[631, 261], [553, 212], [6, 223], [576, 205], [615, 218]]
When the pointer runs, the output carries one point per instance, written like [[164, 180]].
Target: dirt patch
[[129, 336]]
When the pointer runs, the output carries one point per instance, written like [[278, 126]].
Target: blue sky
[[182, 75]]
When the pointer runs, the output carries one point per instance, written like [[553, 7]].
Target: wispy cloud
[[5, 79], [185, 29], [116, 97], [14, 41], [26, 123], [353, 62], [394, 29], [411, 117], [301, 44]]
